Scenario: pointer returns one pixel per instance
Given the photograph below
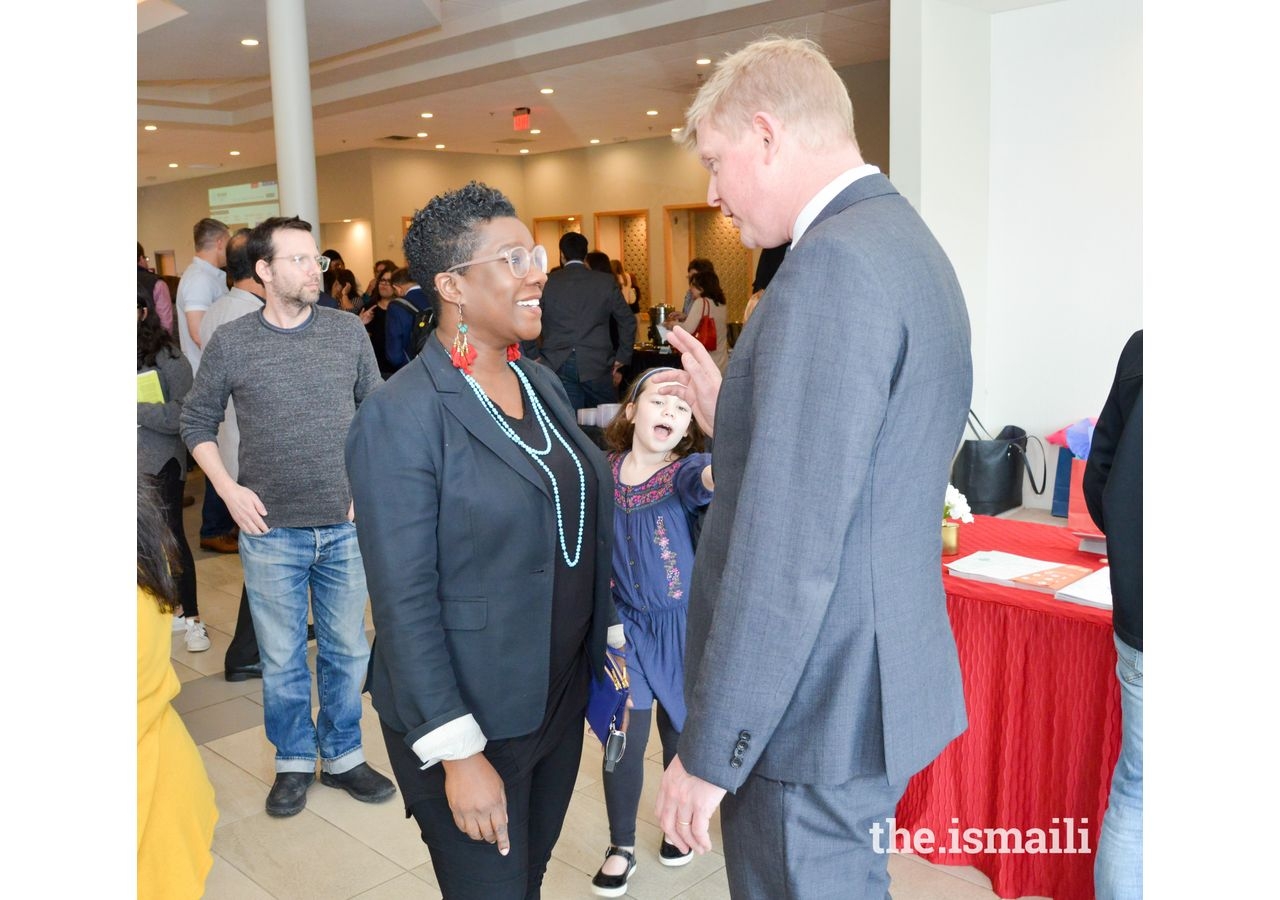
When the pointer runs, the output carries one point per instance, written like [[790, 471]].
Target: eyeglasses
[[299, 259], [518, 259]]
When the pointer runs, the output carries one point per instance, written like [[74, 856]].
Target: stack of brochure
[[1017, 571]]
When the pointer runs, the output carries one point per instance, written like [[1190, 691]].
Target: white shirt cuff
[[456, 739], [615, 638]]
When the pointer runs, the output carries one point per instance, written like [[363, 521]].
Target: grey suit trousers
[[820, 839]]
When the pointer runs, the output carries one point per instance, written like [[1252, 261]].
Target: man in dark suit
[[1113, 493], [577, 306], [821, 671]]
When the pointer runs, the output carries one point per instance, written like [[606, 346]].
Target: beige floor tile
[[211, 689], [402, 887], [375, 746], [563, 882], [220, 719], [226, 882], [427, 873], [219, 607], [713, 887], [185, 673], [302, 857], [237, 793], [914, 879], [251, 751], [381, 826]]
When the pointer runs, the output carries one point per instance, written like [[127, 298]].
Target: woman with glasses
[[374, 316], [381, 267], [486, 528]]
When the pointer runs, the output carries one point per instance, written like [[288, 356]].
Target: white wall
[[1017, 134]]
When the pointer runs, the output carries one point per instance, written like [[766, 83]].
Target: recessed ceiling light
[[346, 220], [235, 153], [547, 91], [250, 42], [524, 149], [594, 141], [703, 61], [173, 165], [423, 134], [148, 128], [535, 131], [676, 130], [428, 115], [439, 146], [650, 112], [571, 218]]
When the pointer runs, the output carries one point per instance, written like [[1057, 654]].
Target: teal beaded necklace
[[548, 429]]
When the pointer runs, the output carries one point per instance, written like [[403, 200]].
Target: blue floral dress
[[652, 571]]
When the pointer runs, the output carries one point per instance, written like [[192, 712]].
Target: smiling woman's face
[[499, 308]]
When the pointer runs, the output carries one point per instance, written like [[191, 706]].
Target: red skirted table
[[1044, 725]]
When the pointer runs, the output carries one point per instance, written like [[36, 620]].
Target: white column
[[291, 110]]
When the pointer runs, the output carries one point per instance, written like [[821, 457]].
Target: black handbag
[[988, 471]]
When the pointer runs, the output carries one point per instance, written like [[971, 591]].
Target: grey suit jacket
[[458, 535], [577, 304], [819, 646]]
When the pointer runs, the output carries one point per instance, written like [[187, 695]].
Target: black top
[[377, 329], [570, 611]]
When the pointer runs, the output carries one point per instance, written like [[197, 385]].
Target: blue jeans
[[585, 394], [1117, 870], [279, 568]]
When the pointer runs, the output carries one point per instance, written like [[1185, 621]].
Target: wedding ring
[[678, 822]]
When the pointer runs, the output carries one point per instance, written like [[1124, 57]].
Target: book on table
[[1093, 589], [149, 389], [1009, 569]]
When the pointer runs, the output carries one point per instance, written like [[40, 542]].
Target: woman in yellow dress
[[176, 812]]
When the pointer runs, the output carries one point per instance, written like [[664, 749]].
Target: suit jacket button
[[744, 735], [736, 762]]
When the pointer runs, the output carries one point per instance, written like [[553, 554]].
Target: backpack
[[424, 321]]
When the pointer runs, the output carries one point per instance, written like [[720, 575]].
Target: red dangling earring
[[513, 352], [462, 354]]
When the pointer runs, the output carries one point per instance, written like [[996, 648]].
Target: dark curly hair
[[443, 232], [709, 283], [618, 433]]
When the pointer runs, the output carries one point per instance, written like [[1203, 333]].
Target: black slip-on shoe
[[669, 855], [362, 782], [243, 673], [614, 885], [288, 795]]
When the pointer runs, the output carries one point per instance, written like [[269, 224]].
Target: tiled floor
[[339, 848]]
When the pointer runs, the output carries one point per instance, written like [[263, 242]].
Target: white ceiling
[[377, 65]]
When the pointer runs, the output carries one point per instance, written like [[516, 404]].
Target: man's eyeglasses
[[518, 259], [299, 259]]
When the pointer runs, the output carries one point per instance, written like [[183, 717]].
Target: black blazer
[[458, 535], [1113, 489], [577, 306]]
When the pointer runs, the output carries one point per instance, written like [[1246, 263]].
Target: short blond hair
[[789, 77]]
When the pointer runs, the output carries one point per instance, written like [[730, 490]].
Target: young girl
[[660, 482]]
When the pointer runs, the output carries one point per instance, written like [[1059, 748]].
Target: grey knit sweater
[[296, 391]]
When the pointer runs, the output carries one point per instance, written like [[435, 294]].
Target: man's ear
[[766, 128], [263, 268]]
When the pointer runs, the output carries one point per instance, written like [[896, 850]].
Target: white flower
[[956, 506]]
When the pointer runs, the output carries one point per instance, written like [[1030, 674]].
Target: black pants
[[536, 807], [622, 786], [169, 482], [242, 652]]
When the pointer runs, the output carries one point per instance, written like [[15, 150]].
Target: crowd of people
[[417, 445]]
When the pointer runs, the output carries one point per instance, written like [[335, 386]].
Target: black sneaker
[[670, 855], [362, 782], [288, 795], [614, 885]]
